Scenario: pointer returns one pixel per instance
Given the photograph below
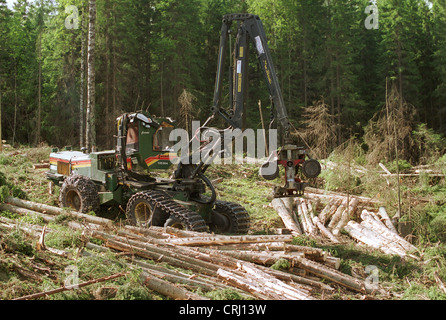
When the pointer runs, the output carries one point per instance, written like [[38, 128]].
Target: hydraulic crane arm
[[250, 28]]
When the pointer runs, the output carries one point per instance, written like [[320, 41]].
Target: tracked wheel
[[229, 217], [80, 194], [155, 208]]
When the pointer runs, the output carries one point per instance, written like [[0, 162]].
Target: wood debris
[[255, 266]]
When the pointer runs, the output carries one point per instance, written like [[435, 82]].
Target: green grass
[[405, 279]]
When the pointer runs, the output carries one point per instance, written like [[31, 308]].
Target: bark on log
[[286, 216]]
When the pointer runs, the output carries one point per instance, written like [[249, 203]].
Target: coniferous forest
[[338, 63]]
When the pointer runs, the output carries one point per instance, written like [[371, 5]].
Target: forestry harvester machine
[[122, 177]]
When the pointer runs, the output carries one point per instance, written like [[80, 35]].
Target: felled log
[[147, 232], [246, 285], [337, 215], [157, 253], [309, 191], [381, 228], [332, 275], [346, 215], [173, 276], [324, 231], [387, 221], [272, 246], [43, 208], [64, 288], [274, 284], [41, 166], [373, 239], [307, 223], [329, 210], [286, 216], [167, 289], [210, 240], [25, 212], [295, 275]]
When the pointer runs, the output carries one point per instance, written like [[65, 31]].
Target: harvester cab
[[143, 142]]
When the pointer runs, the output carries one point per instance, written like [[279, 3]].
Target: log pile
[[255, 266], [355, 215]]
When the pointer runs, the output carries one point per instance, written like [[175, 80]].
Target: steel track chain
[[169, 207]]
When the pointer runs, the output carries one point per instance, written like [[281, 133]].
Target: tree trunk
[[1, 141], [90, 116], [39, 90], [82, 85]]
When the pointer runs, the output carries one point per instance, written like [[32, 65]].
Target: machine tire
[[158, 209], [140, 210], [230, 217], [80, 194]]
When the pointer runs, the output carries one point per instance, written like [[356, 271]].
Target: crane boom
[[250, 30]]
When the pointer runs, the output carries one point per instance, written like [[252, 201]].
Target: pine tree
[[91, 84]]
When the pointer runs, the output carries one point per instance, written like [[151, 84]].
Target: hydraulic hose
[[209, 184]]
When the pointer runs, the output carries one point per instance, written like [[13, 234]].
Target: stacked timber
[[256, 266], [323, 215]]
